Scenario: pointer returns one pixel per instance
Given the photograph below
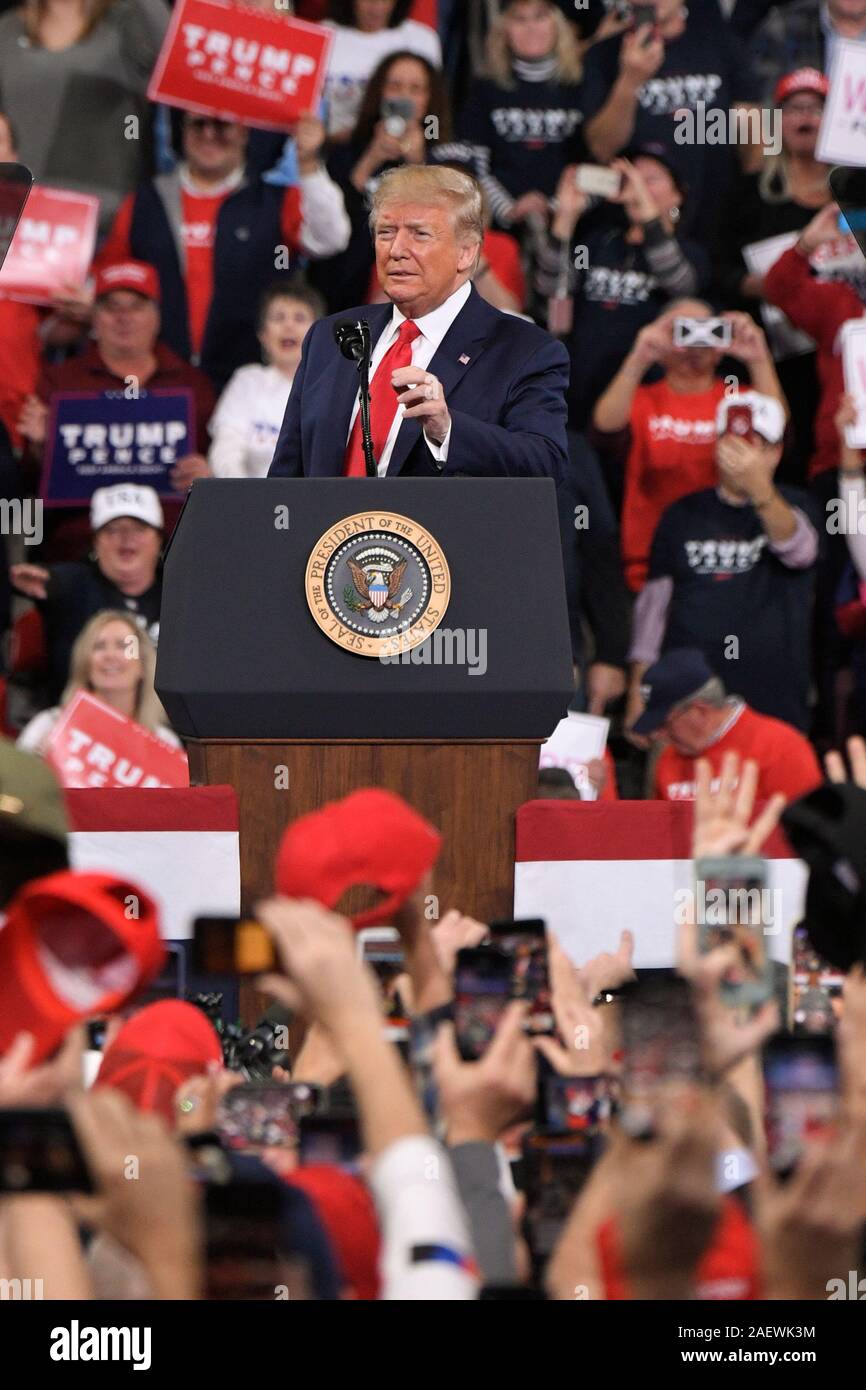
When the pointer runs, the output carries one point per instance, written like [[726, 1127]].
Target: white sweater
[[246, 422]]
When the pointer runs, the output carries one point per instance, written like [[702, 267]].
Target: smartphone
[[40, 1152], [381, 949], [642, 15], [801, 1095], [397, 114], [576, 1104], [739, 420], [482, 992], [526, 944], [711, 333], [231, 946], [597, 181], [554, 1168], [661, 1043], [733, 908], [334, 1139], [256, 1117], [170, 983], [815, 989]]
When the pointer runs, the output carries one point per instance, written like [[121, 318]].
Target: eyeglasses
[[804, 108], [200, 123]]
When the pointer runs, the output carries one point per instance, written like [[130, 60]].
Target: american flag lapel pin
[[464, 358]]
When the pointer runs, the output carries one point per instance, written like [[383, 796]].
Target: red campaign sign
[[92, 745], [52, 246], [242, 64]]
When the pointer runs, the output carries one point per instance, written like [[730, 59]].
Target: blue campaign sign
[[96, 438]]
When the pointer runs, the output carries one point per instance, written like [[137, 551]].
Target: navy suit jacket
[[507, 400]]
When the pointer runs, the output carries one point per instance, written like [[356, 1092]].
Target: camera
[[396, 115], [711, 333]]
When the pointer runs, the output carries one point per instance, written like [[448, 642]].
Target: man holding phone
[[635, 84], [732, 569]]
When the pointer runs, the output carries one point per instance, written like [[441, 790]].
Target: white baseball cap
[[768, 417], [125, 499]]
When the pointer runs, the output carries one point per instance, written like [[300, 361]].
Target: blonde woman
[[113, 659], [522, 123], [73, 78]]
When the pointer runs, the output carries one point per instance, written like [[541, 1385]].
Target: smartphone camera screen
[[482, 992], [257, 1117], [578, 1104], [734, 908], [816, 988], [661, 1043], [526, 945], [801, 1081]]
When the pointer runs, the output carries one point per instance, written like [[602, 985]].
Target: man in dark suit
[[455, 385]]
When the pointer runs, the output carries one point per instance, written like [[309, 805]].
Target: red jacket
[[88, 372], [819, 309]]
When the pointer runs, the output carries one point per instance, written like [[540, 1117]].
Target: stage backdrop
[[591, 869], [178, 844]]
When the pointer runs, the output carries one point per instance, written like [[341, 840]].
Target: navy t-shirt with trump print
[[728, 584]]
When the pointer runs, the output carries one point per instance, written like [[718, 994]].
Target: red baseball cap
[[802, 80], [348, 1213], [371, 837], [128, 275], [69, 949], [156, 1050]]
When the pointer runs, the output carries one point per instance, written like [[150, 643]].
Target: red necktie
[[383, 402]]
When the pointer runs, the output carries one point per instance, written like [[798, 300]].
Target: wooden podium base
[[470, 791]]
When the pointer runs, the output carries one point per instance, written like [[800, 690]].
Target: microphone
[[349, 337], [352, 337]]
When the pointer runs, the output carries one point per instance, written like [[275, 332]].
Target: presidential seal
[[377, 584]]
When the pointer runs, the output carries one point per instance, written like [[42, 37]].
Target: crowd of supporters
[[715, 615], [219, 246]]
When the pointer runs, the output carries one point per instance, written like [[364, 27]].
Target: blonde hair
[[148, 710], [438, 185], [93, 13], [498, 65], [773, 179]]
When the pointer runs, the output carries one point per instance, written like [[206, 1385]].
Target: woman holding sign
[[115, 660]]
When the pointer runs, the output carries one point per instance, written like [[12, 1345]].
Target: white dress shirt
[[433, 328]]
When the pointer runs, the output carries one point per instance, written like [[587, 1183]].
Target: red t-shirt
[[673, 443], [19, 361], [728, 1270], [786, 760], [199, 214]]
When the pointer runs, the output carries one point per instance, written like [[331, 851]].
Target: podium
[[274, 588]]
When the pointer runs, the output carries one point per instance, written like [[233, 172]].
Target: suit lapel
[[465, 338], [342, 390]]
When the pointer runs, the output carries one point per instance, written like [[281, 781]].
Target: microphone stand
[[353, 340], [364, 398]]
